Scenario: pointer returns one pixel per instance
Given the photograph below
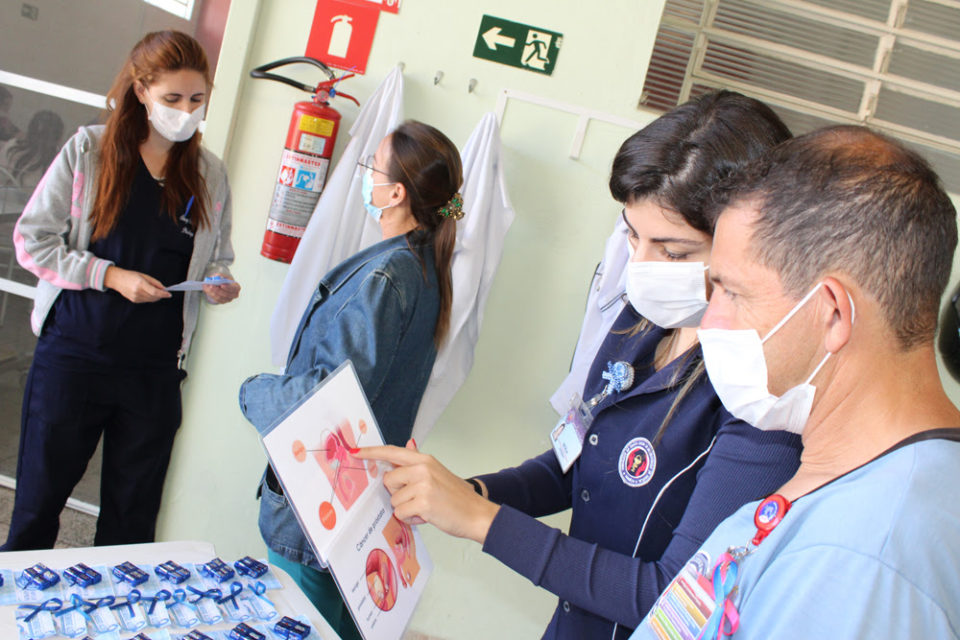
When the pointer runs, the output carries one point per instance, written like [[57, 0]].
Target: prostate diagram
[[348, 475]]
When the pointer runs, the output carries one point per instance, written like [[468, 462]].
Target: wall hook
[[472, 85], [437, 78]]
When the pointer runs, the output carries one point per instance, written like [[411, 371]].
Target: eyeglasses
[[367, 163]]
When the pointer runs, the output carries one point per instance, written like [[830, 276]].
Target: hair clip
[[453, 208]]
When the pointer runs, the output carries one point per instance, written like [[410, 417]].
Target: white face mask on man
[[668, 294], [738, 371], [173, 124]]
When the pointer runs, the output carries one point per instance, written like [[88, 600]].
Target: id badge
[[684, 607], [568, 434]]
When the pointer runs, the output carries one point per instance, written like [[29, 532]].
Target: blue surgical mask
[[366, 191]]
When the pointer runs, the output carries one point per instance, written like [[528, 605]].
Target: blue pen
[[187, 210]]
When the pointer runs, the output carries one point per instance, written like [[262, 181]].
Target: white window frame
[[62, 92], [180, 8], [875, 78]]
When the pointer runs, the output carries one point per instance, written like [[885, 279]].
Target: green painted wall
[[564, 214]]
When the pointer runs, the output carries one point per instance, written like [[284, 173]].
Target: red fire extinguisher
[[305, 160]]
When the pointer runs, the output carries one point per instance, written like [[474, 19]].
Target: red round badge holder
[[769, 513]]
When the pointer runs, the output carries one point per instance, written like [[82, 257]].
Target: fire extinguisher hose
[[263, 71]]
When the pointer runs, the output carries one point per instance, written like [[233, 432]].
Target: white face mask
[[173, 124], [668, 294], [738, 371]]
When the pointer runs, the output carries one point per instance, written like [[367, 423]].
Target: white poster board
[[380, 563]]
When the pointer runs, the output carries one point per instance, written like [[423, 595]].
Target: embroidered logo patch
[[637, 462]]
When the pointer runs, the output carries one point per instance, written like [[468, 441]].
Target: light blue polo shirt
[[874, 554]]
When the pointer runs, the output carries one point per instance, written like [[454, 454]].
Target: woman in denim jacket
[[386, 308]]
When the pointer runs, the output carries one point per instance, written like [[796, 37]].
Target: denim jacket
[[379, 309]]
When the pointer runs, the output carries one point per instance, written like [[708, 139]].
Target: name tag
[[568, 434]]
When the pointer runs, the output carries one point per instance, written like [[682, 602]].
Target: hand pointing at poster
[[422, 488]]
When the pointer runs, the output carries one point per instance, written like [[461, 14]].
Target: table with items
[[157, 591]]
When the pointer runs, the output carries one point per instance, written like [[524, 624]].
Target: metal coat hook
[[472, 85], [402, 65], [437, 78]]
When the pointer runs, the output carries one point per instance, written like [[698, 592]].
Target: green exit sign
[[518, 45]]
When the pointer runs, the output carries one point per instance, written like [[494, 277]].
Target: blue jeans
[[321, 589]]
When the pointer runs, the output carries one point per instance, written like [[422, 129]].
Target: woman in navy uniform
[[662, 462]]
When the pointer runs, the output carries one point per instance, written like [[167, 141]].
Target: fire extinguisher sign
[[342, 33]]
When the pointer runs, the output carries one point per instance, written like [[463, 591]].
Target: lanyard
[[770, 512], [725, 619]]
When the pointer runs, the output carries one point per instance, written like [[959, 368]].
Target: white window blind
[[180, 8], [893, 65]]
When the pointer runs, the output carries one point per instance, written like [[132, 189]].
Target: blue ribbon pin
[[619, 377], [51, 605], [132, 598], [235, 590], [161, 596], [259, 589]]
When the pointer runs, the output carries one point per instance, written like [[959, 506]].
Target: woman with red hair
[[124, 211]]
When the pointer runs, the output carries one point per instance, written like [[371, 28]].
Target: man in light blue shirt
[[828, 267]]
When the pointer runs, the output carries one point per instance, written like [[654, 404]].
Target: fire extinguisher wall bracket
[[262, 72], [306, 158]]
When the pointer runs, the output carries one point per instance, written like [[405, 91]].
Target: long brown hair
[[428, 165], [127, 128]]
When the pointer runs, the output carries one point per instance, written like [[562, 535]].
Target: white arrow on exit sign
[[493, 38]]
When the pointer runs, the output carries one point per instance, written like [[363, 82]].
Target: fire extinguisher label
[[294, 231], [302, 171], [318, 126], [312, 144], [299, 184]]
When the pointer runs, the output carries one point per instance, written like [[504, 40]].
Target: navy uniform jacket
[[640, 509]]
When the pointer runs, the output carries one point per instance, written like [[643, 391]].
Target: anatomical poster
[[379, 562], [309, 450], [381, 566]]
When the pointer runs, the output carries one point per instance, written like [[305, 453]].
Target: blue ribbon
[[722, 588], [162, 596], [213, 594], [51, 605], [132, 598], [180, 597], [619, 377], [106, 601], [259, 589], [235, 590], [79, 605], [77, 602]]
